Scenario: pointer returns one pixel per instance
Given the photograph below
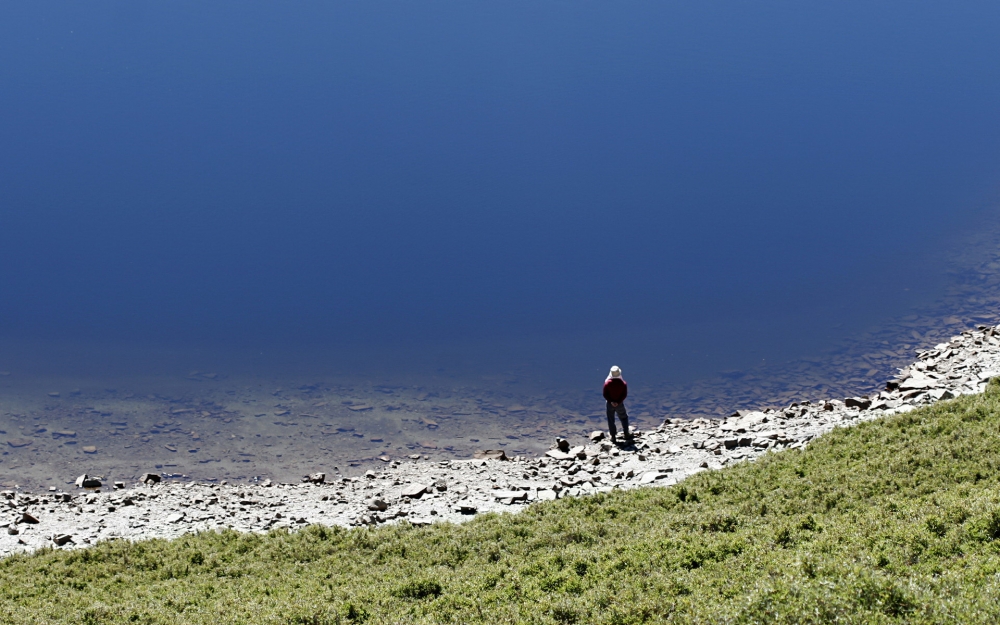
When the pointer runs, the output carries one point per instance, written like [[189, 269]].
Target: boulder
[[149, 478], [562, 445]]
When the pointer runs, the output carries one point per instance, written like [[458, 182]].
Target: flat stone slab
[[413, 491]]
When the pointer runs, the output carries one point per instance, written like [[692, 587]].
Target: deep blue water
[[468, 184]]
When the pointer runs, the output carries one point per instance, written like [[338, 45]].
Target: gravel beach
[[422, 491]]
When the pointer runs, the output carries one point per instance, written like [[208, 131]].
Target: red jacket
[[615, 390]]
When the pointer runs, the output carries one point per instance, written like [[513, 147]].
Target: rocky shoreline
[[421, 491]]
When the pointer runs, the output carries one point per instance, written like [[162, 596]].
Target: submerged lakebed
[[225, 423]]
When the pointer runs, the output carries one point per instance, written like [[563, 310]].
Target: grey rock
[[596, 436], [651, 476], [314, 478], [413, 491], [555, 454], [940, 393], [915, 383], [176, 517], [85, 481], [28, 518], [377, 505], [149, 478], [61, 539], [562, 445], [861, 403], [511, 495]]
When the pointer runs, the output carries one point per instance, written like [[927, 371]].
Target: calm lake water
[[259, 239]]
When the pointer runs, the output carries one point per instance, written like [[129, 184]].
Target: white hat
[[616, 372]]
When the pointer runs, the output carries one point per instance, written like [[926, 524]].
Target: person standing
[[615, 392]]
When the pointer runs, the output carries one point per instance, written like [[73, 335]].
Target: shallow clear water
[[465, 214]]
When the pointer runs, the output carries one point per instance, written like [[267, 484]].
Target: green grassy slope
[[890, 521]]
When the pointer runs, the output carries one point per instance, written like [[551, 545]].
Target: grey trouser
[[620, 409]]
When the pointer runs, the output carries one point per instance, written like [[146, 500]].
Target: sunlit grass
[[891, 521]]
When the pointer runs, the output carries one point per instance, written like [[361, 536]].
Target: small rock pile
[[422, 492]]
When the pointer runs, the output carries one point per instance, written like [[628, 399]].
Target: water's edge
[[421, 492]]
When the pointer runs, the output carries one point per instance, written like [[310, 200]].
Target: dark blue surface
[[615, 176]]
